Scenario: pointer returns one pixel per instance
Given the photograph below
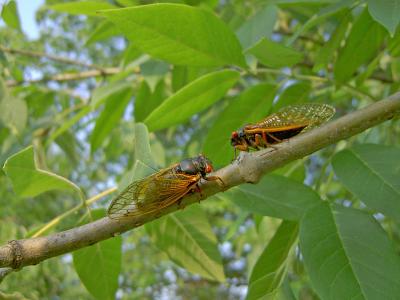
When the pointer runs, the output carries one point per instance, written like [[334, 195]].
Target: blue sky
[[27, 10]]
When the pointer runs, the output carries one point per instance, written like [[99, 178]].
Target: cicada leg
[[263, 142], [198, 190], [216, 178], [273, 137]]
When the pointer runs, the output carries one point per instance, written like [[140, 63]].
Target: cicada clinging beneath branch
[[282, 125], [161, 189]]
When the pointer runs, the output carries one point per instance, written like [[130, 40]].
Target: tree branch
[[248, 168], [68, 76], [60, 59]]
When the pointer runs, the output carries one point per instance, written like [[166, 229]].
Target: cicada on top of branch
[[284, 124], [161, 189]]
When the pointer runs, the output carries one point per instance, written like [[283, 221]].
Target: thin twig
[[60, 59], [248, 168], [59, 218], [68, 76]]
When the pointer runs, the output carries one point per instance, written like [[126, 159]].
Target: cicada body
[[161, 189], [284, 124]]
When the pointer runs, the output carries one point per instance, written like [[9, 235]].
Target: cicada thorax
[[282, 125], [161, 189]]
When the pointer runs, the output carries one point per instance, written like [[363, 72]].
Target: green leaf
[[295, 93], [101, 93], [251, 106], [234, 227], [13, 110], [393, 45], [372, 172], [326, 53], [270, 268], [142, 145], [138, 171], [103, 31], [146, 100], [9, 14], [98, 266], [295, 170], [89, 8], [69, 123], [144, 161], [189, 241], [348, 255], [182, 75], [191, 99], [258, 26], [99, 96], [28, 180], [362, 45], [153, 71], [13, 113], [179, 34], [386, 12], [335, 7], [275, 55], [110, 117], [275, 196]]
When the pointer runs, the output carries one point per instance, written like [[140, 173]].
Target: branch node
[[16, 250]]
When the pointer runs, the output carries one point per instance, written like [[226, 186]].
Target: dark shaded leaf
[[348, 255]]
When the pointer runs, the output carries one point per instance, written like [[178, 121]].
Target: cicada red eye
[[234, 135], [209, 168]]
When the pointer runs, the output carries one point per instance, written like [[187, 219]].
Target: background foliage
[[71, 103]]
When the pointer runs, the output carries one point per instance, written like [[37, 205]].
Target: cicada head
[[195, 165], [238, 140]]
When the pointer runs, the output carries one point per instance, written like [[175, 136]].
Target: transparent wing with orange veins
[[152, 193], [307, 115]]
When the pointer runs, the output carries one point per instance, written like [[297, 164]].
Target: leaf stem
[[86, 203]]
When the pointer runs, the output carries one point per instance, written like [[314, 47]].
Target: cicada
[[161, 189], [282, 125]]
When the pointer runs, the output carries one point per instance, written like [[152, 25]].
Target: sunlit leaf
[[9, 14], [104, 31], [191, 99], [372, 172], [348, 255], [89, 8], [28, 180], [189, 241], [179, 34]]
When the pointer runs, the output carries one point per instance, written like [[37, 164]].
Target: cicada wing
[[151, 194], [307, 116]]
